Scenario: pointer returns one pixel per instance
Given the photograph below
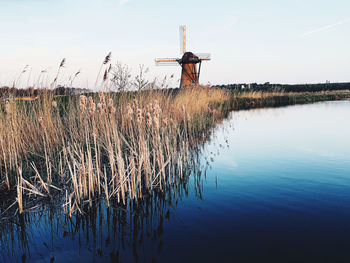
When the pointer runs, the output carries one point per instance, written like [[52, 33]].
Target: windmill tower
[[190, 63]]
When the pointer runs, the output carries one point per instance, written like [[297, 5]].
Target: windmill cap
[[189, 57]]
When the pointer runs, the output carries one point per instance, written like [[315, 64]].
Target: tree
[[139, 81], [121, 77]]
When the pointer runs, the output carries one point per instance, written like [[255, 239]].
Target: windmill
[[188, 62]]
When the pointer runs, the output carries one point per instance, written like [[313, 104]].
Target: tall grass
[[112, 145]]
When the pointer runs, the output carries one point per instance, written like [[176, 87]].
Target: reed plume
[[106, 60]]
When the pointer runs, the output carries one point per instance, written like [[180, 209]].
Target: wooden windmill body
[[189, 62]]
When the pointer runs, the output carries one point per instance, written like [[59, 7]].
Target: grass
[[112, 145], [258, 99]]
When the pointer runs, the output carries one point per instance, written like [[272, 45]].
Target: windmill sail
[[203, 56], [182, 40], [167, 61]]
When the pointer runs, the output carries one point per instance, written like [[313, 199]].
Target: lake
[[271, 185]]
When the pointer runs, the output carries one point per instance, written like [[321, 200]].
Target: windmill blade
[[167, 61], [203, 56], [182, 40]]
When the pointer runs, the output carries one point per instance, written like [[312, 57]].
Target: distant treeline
[[286, 87], [31, 92]]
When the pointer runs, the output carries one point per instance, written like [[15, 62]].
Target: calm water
[[277, 189]]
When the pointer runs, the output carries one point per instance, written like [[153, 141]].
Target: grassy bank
[[271, 87], [258, 99]]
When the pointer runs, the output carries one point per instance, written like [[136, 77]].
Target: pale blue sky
[[292, 41]]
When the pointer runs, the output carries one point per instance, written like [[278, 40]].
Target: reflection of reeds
[[132, 225], [114, 222], [115, 145]]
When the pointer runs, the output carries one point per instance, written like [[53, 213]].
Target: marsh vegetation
[[113, 145]]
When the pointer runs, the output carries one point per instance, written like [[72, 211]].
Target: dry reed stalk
[[41, 181], [140, 145], [62, 64], [19, 191], [32, 189], [105, 62]]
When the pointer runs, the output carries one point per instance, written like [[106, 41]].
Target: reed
[[113, 145]]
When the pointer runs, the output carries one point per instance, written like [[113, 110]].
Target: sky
[[250, 41]]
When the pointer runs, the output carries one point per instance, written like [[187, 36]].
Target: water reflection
[[115, 234], [119, 233]]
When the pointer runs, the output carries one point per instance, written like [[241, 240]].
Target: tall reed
[[116, 145]]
